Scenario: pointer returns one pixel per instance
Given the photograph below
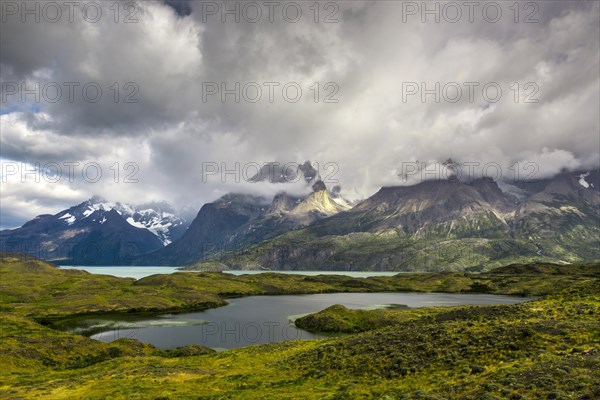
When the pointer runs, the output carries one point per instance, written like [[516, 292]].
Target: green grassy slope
[[339, 319], [34, 288], [546, 348]]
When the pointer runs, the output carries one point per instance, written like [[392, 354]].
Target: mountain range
[[433, 225], [238, 220], [97, 232]]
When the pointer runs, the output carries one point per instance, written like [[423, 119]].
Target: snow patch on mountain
[[133, 222], [69, 219], [582, 180], [160, 221], [513, 190]]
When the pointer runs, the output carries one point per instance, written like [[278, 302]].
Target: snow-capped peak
[[158, 218]]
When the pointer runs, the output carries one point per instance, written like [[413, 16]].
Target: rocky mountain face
[[210, 231], [445, 225], [235, 221], [159, 218], [282, 204], [96, 232], [432, 208], [318, 205]]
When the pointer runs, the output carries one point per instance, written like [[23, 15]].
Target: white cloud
[[369, 54]]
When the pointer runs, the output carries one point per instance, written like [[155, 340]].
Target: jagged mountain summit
[[282, 204], [442, 224], [96, 232], [319, 204], [237, 220]]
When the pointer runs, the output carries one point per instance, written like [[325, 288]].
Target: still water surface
[[141, 272], [258, 319]]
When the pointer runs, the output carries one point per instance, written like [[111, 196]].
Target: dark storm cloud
[[140, 67], [176, 48]]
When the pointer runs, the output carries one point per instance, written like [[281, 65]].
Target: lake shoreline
[[199, 291], [50, 320], [326, 275], [258, 313]]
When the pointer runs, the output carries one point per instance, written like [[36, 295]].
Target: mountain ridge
[[442, 225], [435, 224], [96, 232], [237, 220]]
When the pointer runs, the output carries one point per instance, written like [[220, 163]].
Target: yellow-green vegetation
[[339, 319], [543, 349], [34, 288]]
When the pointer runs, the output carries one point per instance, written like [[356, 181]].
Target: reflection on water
[[92, 325], [258, 319]]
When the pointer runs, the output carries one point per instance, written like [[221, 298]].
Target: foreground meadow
[[547, 348]]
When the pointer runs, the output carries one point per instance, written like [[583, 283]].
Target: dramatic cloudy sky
[[374, 52]]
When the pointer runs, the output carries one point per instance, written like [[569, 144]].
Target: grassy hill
[[546, 348], [34, 288]]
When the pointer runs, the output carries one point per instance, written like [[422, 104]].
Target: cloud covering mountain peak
[[367, 61]]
